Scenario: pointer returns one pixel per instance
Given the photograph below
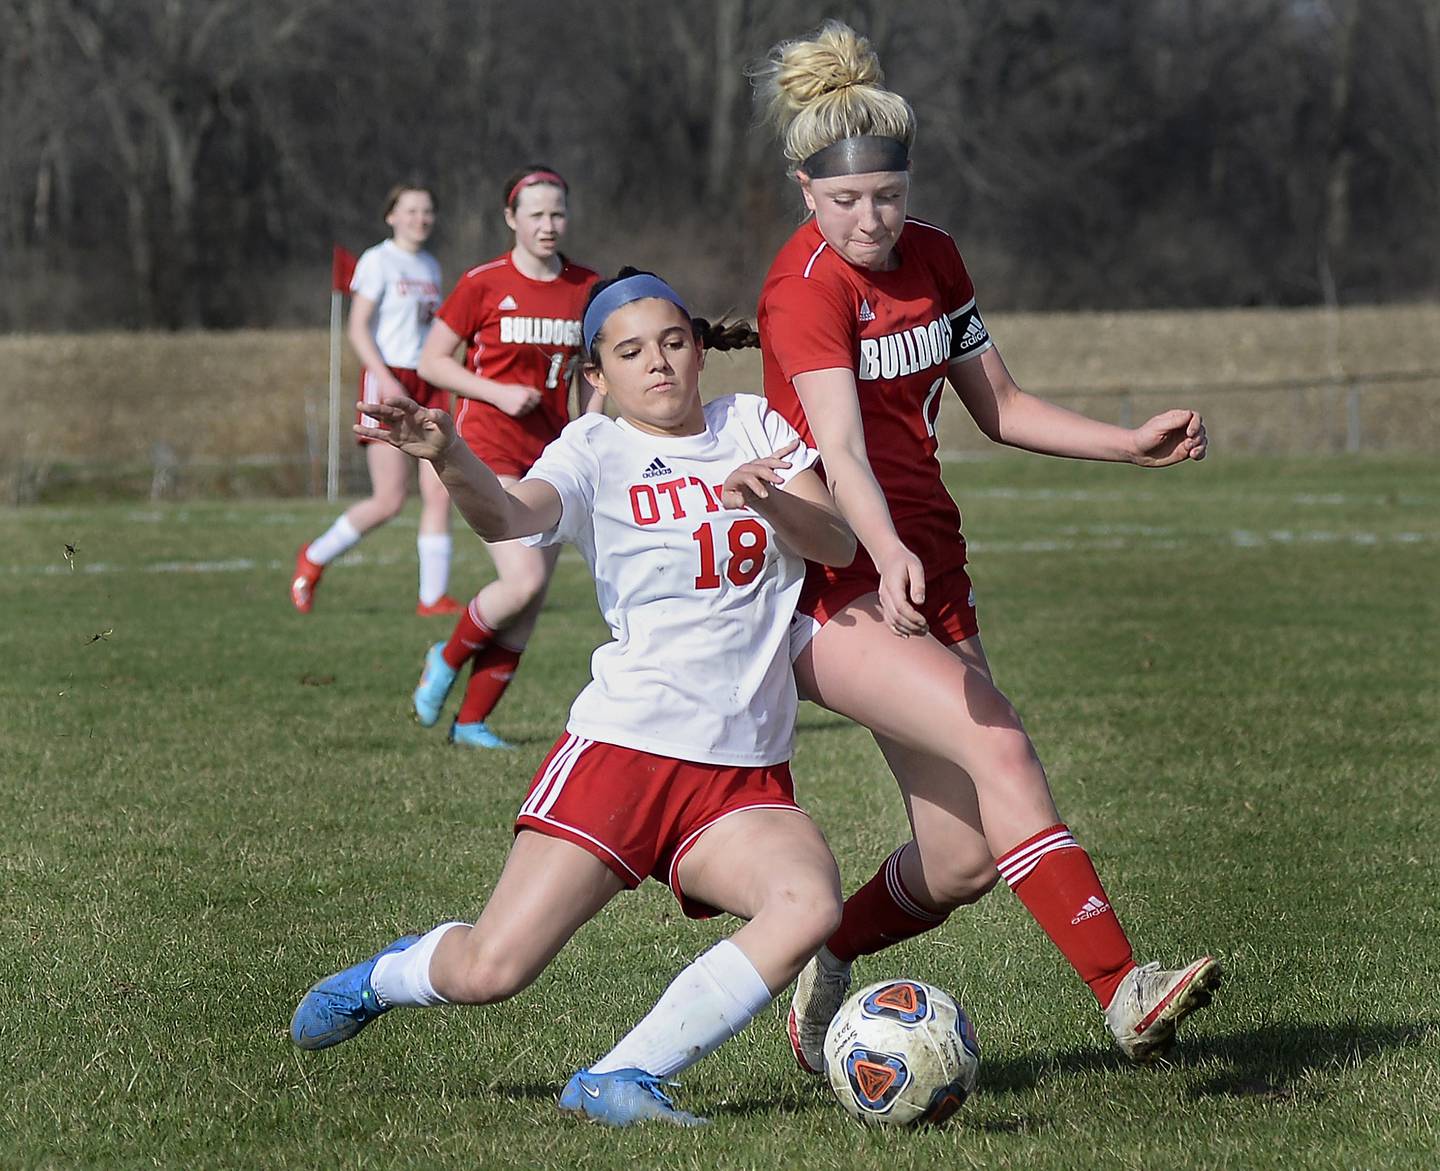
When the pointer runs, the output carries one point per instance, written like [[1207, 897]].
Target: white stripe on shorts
[[547, 792], [369, 393]]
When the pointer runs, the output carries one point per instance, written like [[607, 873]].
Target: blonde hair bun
[[819, 89]]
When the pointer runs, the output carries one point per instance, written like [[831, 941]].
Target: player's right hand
[[518, 400], [902, 588], [418, 431], [751, 482]]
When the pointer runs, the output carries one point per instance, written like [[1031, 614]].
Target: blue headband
[[621, 293]]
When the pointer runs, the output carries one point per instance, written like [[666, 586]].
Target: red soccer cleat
[[444, 604], [302, 585]]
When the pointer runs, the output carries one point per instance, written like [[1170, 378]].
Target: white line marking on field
[[1067, 539], [231, 565]]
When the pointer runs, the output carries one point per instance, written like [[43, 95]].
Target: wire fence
[[1353, 414]]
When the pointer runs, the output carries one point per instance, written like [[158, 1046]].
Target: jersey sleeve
[[968, 335], [809, 327], [569, 466], [369, 278], [463, 310], [778, 433]]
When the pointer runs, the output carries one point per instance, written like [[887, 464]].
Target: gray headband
[[859, 155]]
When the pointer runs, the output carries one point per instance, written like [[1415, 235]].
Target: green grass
[[1230, 671]]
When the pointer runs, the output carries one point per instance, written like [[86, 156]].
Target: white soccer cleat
[[1151, 1001], [820, 990]]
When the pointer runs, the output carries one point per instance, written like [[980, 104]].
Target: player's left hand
[[752, 482], [1171, 437], [418, 431]]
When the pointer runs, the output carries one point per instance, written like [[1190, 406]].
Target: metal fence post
[[1352, 418]]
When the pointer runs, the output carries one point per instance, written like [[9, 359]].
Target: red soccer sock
[[494, 668], [1056, 881], [880, 913], [469, 638]]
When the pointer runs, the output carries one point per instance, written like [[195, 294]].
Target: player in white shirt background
[[394, 294], [695, 520]]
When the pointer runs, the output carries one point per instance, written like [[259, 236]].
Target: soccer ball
[[901, 1053]]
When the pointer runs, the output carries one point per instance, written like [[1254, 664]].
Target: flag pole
[[332, 458]]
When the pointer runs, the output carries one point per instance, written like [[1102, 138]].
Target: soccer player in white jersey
[[394, 294], [695, 521]]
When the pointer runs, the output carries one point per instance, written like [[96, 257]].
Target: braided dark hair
[[721, 334]]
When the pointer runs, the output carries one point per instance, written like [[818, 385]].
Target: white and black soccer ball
[[901, 1053]]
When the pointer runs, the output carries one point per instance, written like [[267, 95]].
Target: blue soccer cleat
[[623, 1097], [435, 683], [476, 736], [339, 1006]]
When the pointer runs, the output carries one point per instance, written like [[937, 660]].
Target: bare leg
[[774, 868], [548, 889], [389, 483], [434, 501], [939, 704]]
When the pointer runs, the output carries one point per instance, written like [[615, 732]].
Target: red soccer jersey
[[898, 331], [524, 332]]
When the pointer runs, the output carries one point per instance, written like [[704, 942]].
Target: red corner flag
[[342, 269]]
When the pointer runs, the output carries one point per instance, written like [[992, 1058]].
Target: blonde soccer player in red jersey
[[394, 292], [695, 520], [518, 317], [865, 317]]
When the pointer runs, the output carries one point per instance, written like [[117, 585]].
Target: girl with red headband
[[518, 317], [865, 317]]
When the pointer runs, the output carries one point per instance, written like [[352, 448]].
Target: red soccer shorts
[[415, 387], [508, 447], [639, 813], [949, 606]]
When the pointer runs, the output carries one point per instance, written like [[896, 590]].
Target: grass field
[[210, 801]]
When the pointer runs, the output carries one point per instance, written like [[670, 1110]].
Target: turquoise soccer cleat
[[476, 736], [623, 1097], [435, 683], [339, 1006]]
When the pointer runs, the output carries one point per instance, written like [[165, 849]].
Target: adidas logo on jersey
[[975, 335], [1093, 906], [657, 468], [866, 313], [508, 302]]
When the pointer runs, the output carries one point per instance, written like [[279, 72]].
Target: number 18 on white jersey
[[698, 597]]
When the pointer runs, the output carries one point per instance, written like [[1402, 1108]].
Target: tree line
[[187, 163]]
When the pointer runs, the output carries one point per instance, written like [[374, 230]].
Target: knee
[[957, 881], [488, 976], [811, 909], [388, 504], [527, 586]]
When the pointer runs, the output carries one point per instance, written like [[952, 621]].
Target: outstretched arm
[[494, 512], [832, 406], [801, 512], [1008, 415]]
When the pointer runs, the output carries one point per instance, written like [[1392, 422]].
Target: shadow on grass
[[1266, 1062], [1263, 1062]]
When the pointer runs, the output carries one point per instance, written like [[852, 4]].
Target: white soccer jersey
[[698, 597], [405, 287]]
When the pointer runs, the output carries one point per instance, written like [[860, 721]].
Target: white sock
[[403, 977], [339, 537], [434, 549], [705, 1005]]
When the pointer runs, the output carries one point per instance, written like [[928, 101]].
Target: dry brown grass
[[103, 402]]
